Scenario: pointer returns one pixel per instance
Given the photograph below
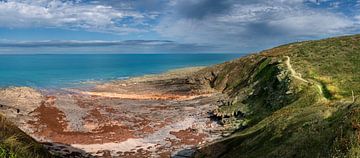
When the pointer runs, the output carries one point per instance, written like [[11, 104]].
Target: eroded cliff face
[[296, 100], [289, 102], [255, 85]]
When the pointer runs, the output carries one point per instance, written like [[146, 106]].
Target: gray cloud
[[200, 9], [250, 25], [71, 15], [191, 25], [84, 43], [127, 46]]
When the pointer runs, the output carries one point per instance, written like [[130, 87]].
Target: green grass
[[14, 143], [337, 59], [4, 153], [287, 117]]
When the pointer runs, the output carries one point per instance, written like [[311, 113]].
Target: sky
[[169, 26]]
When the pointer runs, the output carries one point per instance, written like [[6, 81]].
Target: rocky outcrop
[[296, 100], [277, 107], [255, 86], [23, 98]]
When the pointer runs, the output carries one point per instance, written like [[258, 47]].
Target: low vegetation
[[14, 143], [296, 100]]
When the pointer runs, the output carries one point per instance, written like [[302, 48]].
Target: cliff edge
[[295, 100]]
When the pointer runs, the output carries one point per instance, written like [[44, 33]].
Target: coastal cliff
[[295, 100]]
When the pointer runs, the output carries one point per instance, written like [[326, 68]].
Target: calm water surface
[[59, 71]]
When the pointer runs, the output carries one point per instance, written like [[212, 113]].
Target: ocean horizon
[[75, 70]]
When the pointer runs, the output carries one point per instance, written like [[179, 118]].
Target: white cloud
[[248, 23], [51, 13], [229, 24], [313, 24]]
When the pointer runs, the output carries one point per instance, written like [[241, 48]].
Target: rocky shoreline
[[164, 115], [268, 104]]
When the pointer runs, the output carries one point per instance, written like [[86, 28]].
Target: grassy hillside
[[296, 100], [16, 144]]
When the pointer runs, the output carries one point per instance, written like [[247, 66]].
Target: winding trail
[[298, 76], [293, 72]]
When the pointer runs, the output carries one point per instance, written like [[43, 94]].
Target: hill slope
[[296, 100], [16, 144]]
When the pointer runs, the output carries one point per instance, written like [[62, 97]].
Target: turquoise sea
[[59, 71]]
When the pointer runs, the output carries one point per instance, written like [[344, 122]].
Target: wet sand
[[152, 116]]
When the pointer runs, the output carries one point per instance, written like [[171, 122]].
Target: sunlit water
[[58, 71]]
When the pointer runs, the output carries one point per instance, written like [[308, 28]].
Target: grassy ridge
[[335, 62], [295, 100], [14, 143]]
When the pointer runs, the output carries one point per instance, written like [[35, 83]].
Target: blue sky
[[169, 26]]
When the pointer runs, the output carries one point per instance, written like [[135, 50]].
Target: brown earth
[[153, 116]]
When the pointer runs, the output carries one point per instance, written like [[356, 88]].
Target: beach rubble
[[152, 116]]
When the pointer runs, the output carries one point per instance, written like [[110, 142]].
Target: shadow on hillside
[[65, 151]]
